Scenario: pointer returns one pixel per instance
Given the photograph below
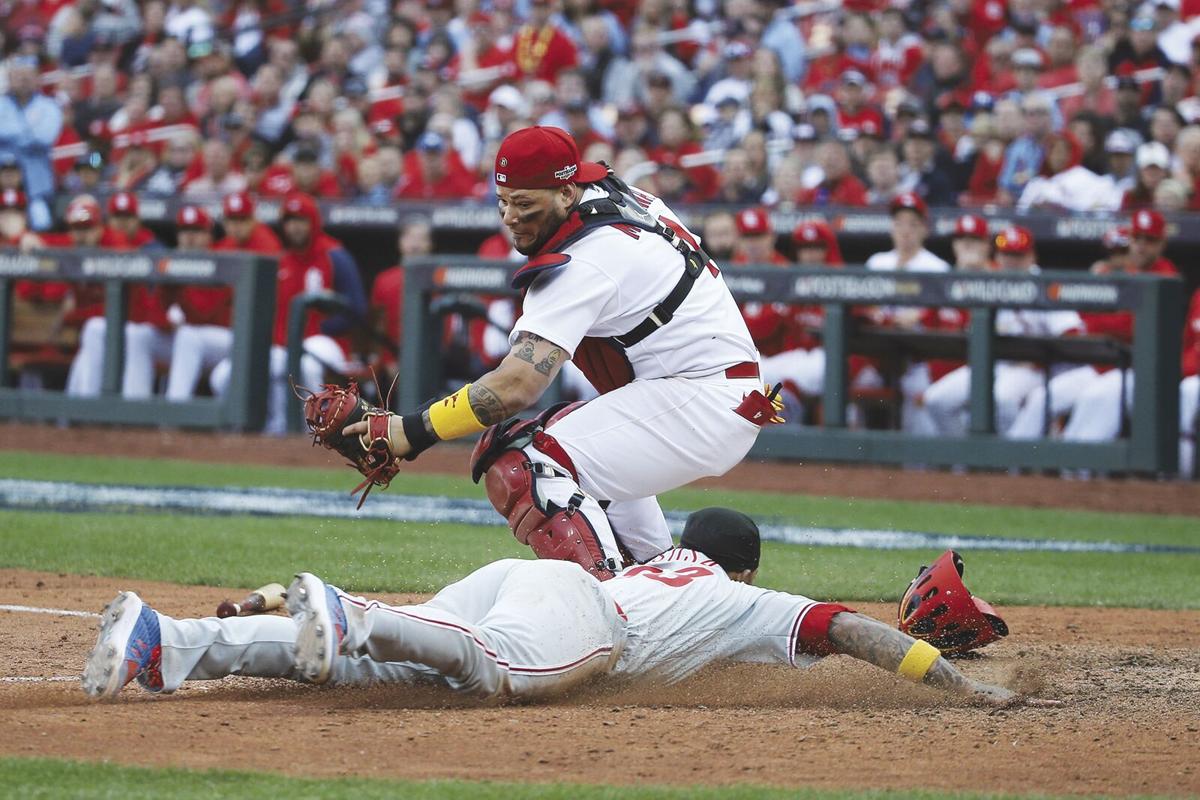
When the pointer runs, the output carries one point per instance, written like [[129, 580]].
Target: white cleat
[[127, 646], [317, 611]]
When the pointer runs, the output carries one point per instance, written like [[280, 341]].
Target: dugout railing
[[1158, 304], [252, 279]]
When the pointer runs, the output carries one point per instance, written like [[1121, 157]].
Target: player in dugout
[[532, 630]]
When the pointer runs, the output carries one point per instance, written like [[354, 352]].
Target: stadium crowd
[[1062, 104]]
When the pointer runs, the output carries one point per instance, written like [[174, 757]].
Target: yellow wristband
[[452, 417], [918, 660]]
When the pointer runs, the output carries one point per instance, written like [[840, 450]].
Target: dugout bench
[[1157, 302], [253, 281]]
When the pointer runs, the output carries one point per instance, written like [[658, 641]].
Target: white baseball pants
[[1189, 424], [145, 345], [1100, 407], [1064, 390], [645, 438], [948, 398], [260, 646], [279, 397], [512, 629], [197, 348]]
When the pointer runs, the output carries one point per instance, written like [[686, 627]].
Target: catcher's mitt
[[330, 410]]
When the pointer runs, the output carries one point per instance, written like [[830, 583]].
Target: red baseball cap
[[753, 222], [123, 203], [83, 210], [910, 201], [810, 234], [13, 198], [1116, 238], [238, 205], [1014, 239], [191, 217], [971, 226], [541, 157], [1148, 224]]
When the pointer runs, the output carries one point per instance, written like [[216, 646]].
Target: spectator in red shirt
[[433, 171], [854, 112], [541, 50], [309, 177], [840, 187]]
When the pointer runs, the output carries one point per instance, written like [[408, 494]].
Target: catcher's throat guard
[[938, 609]]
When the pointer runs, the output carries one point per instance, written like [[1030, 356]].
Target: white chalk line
[[60, 496], [39, 679], [58, 612]]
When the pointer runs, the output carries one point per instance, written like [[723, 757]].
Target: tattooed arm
[[874, 642], [520, 379], [517, 383]]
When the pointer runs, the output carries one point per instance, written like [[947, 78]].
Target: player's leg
[[914, 418], [320, 351], [645, 438], [1014, 383], [197, 348], [145, 345], [87, 368], [640, 527], [802, 369], [946, 401], [171, 651], [1189, 405], [1098, 411], [1064, 390], [511, 629]]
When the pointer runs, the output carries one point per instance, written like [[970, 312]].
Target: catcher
[[617, 284]]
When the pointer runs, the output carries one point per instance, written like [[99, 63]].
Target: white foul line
[[39, 679], [58, 612]]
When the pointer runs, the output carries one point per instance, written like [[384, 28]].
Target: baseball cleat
[[318, 612], [128, 646]]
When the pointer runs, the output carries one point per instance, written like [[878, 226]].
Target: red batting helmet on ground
[[938, 608]]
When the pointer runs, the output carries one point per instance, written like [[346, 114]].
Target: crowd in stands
[[1057, 104], [1066, 104]]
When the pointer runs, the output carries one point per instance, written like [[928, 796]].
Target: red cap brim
[[590, 172]]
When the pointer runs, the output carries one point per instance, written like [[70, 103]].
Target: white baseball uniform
[[145, 345], [527, 629], [1189, 424], [947, 399], [675, 422], [914, 418]]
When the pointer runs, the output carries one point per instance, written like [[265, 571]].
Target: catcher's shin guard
[[548, 511]]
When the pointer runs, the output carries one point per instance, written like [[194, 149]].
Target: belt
[[746, 369]]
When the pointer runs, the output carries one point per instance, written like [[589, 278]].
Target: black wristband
[[419, 437]]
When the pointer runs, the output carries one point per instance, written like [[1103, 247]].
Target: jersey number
[[676, 578]]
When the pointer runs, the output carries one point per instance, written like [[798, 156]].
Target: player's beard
[[552, 221]]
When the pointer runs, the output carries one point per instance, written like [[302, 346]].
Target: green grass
[[958, 518], [373, 556], [42, 779]]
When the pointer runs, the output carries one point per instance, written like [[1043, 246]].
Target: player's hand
[[397, 442]]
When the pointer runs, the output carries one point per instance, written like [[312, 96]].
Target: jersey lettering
[[675, 578]]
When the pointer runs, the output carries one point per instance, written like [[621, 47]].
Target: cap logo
[[501, 177], [503, 161], [968, 225], [567, 172], [1143, 220]]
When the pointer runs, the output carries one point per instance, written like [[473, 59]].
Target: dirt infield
[[1151, 497], [1131, 680]]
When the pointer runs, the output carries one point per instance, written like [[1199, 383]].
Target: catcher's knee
[[554, 530]]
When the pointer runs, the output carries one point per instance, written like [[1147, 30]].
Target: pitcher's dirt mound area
[[833, 480], [1130, 678]]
